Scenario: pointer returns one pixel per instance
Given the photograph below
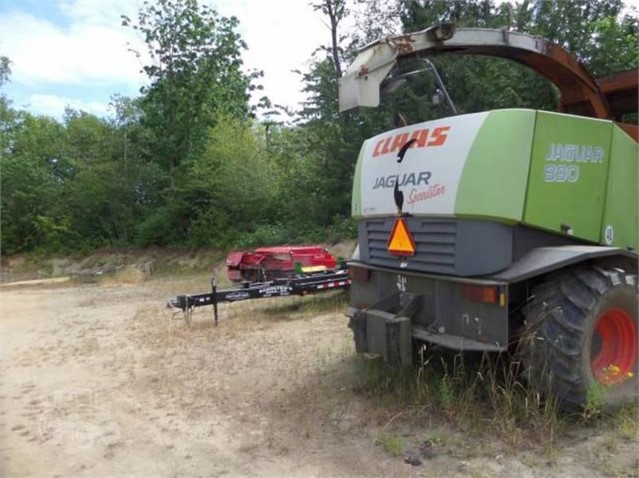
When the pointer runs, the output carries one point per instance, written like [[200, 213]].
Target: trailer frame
[[300, 285]]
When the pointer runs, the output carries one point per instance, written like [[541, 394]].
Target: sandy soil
[[97, 380]]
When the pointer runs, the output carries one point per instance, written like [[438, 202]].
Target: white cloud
[[281, 36], [86, 45], [52, 105], [85, 52], [99, 12]]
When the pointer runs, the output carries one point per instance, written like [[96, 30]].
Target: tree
[[597, 32], [336, 11], [195, 75], [30, 207], [196, 78], [330, 140], [481, 83], [375, 20], [5, 70], [111, 182], [7, 114]]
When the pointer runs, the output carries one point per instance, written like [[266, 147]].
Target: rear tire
[[581, 331]]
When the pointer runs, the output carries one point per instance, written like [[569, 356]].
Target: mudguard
[[547, 259]]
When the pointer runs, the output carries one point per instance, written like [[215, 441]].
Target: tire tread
[[550, 348]]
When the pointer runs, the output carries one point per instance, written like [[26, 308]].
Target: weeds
[[474, 391], [446, 393], [329, 302], [482, 394], [392, 444], [625, 422], [595, 399]]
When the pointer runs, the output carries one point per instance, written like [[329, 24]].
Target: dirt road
[[98, 381]]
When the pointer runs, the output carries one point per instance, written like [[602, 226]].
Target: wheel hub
[[614, 347]]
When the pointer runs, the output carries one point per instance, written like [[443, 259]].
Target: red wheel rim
[[616, 356]]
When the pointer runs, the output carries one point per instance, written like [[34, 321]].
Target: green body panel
[[564, 174], [619, 226], [493, 181], [568, 174]]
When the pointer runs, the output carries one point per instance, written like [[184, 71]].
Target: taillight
[[359, 274], [486, 294]]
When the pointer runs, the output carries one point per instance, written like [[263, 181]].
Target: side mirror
[[438, 98]]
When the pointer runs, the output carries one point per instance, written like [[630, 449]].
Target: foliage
[[470, 390], [30, 191], [595, 400], [330, 140], [188, 164], [195, 75], [478, 83], [597, 32], [231, 184], [392, 444]]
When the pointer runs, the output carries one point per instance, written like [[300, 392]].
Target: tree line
[[193, 162]]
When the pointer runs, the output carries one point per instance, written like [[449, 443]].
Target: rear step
[[454, 342], [385, 327]]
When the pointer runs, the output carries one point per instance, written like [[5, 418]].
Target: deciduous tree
[[195, 74]]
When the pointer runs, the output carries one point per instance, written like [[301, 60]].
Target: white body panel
[[430, 171]]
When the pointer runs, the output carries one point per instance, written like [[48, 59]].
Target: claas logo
[[423, 138]]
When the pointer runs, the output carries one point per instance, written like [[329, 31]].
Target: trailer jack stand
[[214, 297]]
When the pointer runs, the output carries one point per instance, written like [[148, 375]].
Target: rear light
[[486, 294], [359, 274]]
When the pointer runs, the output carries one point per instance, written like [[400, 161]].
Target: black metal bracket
[[299, 285]]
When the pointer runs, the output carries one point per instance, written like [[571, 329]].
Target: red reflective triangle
[[400, 241]]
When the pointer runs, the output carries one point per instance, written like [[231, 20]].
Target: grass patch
[[393, 444], [319, 303], [475, 392], [125, 275], [625, 421], [485, 395]]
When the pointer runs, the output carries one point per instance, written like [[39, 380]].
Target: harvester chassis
[[505, 230]]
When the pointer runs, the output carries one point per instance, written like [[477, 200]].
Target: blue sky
[[74, 52]]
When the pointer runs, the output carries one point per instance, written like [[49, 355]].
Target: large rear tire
[[580, 333]]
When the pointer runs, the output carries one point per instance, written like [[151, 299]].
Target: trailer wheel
[[581, 332]]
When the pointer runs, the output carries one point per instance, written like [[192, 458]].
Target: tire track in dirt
[[98, 381]]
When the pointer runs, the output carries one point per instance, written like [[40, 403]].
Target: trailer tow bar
[[299, 285]]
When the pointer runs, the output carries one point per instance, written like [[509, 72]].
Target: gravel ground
[[97, 380]]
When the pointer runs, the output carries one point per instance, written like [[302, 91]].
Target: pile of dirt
[[128, 265]]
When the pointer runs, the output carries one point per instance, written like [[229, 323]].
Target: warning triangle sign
[[400, 241]]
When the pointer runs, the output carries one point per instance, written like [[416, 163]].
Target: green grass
[[392, 444], [480, 394], [312, 304], [625, 422], [475, 392]]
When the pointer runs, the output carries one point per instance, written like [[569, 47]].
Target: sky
[[76, 53]]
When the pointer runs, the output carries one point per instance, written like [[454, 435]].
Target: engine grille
[[435, 242]]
